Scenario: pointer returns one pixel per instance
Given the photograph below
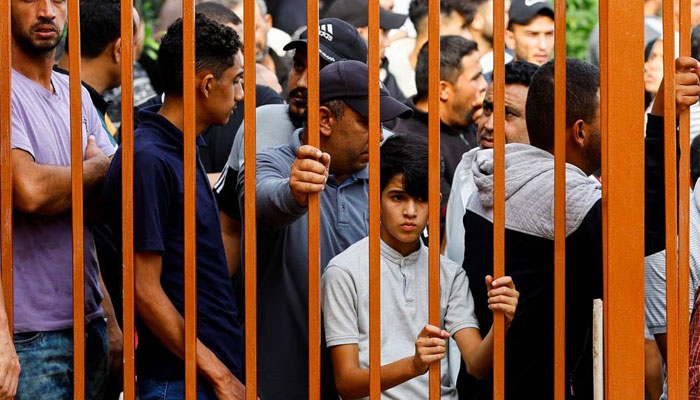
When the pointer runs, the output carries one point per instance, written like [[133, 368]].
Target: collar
[[422, 116], [97, 100], [151, 119], [295, 143], [397, 258]]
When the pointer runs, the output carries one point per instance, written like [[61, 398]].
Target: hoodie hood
[[529, 191]]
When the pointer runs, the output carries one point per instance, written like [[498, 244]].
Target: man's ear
[[477, 23], [117, 51], [510, 39], [445, 91], [325, 115], [577, 135], [206, 83], [268, 20]]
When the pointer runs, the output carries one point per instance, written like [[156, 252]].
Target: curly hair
[[215, 49], [520, 72]]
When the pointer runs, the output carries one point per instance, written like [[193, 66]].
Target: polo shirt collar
[[150, 117], [295, 143], [397, 258]]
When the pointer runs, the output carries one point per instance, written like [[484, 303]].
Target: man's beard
[[260, 55], [26, 43], [298, 97]]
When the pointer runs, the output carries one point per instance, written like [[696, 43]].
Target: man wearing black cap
[[286, 175], [530, 32], [276, 123], [355, 13]]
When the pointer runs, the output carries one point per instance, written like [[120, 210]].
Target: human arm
[[353, 382], [231, 235], [46, 189], [477, 353], [114, 332], [165, 322], [9, 362]]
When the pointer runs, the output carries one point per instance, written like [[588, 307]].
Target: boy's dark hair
[[100, 25], [215, 48], [452, 50], [582, 100], [405, 154], [418, 10], [695, 159], [520, 72], [218, 12]]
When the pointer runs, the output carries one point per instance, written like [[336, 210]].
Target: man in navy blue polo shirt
[[159, 230], [286, 175]]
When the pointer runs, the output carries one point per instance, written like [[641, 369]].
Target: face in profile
[[403, 217], [515, 124], [226, 92]]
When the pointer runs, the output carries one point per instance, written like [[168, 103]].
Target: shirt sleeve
[[339, 306], [655, 292], [152, 192], [460, 305], [20, 140]]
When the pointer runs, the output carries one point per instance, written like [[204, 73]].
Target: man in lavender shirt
[[43, 301]]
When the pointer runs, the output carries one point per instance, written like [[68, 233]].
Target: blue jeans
[[155, 389], [46, 359]]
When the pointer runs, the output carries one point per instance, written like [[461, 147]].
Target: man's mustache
[[42, 25]]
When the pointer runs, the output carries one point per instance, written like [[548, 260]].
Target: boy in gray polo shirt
[[404, 294]]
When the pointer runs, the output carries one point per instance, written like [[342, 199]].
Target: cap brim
[[544, 8], [324, 51], [389, 20], [389, 107]]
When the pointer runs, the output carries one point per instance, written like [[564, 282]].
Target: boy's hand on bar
[[9, 366], [502, 296], [687, 87], [309, 173], [431, 346]]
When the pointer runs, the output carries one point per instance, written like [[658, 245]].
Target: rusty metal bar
[[5, 160], [670, 168], [434, 182], [375, 315], [684, 216], [499, 200], [314, 206], [127, 135], [622, 131], [189, 156], [560, 200], [77, 203], [251, 298]]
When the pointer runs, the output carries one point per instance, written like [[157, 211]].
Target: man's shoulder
[[349, 260], [272, 110]]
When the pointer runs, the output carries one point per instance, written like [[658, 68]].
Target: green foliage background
[[581, 18]]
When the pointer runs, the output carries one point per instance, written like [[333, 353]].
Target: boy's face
[[404, 217]]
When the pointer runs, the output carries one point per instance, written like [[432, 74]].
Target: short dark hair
[[405, 154], [520, 72], [695, 159], [452, 50], [100, 25], [215, 49], [218, 12], [695, 43], [418, 10], [582, 100]]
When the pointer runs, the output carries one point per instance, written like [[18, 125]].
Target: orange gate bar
[[5, 161], [127, 137], [621, 33]]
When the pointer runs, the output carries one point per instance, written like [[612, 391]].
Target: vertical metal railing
[[374, 203], [250, 272], [560, 200], [5, 160], [434, 182], [127, 137], [77, 202], [189, 154], [499, 200], [621, 61], [313, 136]]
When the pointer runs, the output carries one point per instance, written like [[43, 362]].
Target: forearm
[[276, 207], [479, 360], [108, 308], [231, 236], [355, 383]]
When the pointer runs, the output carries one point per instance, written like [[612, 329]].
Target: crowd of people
[[36, 352]]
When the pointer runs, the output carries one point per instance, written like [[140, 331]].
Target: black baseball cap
[[523, 11], [354, 12], [348, 81], [337, 41]]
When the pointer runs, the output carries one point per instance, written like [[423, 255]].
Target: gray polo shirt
[[404, 308], [282, 239]]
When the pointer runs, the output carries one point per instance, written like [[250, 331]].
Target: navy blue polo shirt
[[159, 227]]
